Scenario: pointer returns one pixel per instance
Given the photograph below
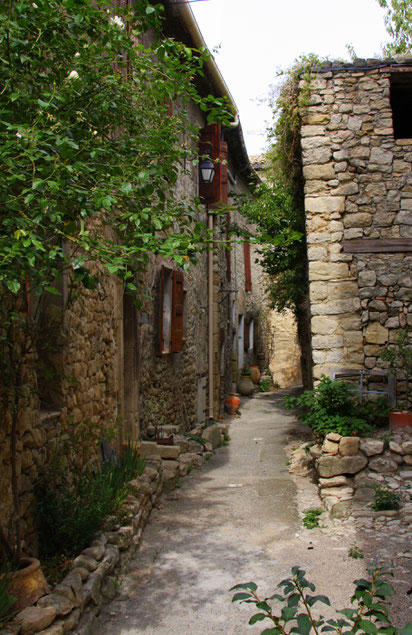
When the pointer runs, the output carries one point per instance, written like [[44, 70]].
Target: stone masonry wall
[[358, 185]]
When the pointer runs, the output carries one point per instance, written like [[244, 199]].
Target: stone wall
[[349, 469], [107, 370], [358, 187]]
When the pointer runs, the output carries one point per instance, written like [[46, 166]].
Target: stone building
[[170, 362], [356, 138]]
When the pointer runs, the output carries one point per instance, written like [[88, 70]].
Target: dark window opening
[[401, 103]]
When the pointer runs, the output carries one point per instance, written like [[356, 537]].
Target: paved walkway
[[237, 519]]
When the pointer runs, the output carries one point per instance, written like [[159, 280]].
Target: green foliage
[[294, 602], [334, 407], [398, 21], [311, 517], [89, 150], [6, 599], [397, 356], [72, 506], [385, 498], [356, 552], [245, 370], [266, 384], [194, 437]]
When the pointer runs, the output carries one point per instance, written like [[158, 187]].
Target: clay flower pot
[[255, 373], [28, 583], [232, 403], [245, 385], [400, 420]]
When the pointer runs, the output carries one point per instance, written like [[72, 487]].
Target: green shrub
[[334, 407], [370, 615], [72, 508], [6, 599], [385, 499], [265, 384]]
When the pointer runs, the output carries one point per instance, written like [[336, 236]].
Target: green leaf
[[13, 286], [407, 630], [368, 627], [304, 624], [258, 617], [312, 599], [245, 585], [53, 290], [150, 10], [238, 597]]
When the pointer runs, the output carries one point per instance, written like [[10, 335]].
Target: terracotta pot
[[245, 385], [28, 583], [232, 403], [255, 373], [400, 420]]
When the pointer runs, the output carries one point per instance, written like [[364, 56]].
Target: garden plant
[[334, 407], [291, 609]]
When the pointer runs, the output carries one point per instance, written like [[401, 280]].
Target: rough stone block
[[325, 204], [376, 334], [330, 447], [168, 451], [349, 446], [60, 604], [213, 435], [383, 465], [372, 447], [335, 481], [34, 618], [333, 465]]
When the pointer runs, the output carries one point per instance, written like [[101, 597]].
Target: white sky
[[257, 37]]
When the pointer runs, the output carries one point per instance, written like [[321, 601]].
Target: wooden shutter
[[248, 271], [177, 311], [228, 252], [246, 335], [161, 289], [210, 143]]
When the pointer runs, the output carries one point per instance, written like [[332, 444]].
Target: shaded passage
[[235, 520]]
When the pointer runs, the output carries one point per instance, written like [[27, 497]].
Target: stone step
[[150, 448]]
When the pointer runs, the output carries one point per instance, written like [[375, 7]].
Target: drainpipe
[[210, 333]]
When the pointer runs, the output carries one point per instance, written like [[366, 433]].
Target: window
[[171, 300], [248, 270], [401, 103]]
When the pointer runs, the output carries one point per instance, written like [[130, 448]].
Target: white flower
[[34, 5], [77, 54], [73, 75], [18, 135], [117, 21]]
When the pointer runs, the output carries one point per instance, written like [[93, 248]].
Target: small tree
[[398, 21]]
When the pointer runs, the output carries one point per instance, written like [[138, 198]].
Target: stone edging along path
[[73, 605]]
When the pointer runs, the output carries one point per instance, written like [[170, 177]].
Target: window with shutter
[[248, 270], [177, 312], [171, 311], [228, 252]]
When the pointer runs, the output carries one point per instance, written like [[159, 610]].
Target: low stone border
[[74, 604], [348, 468]]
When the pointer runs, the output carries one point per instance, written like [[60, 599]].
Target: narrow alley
[[235, 520]]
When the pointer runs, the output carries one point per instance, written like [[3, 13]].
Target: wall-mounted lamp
[[207, 168]]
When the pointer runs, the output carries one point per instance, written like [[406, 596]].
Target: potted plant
[[245, 383], [397, 356]]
